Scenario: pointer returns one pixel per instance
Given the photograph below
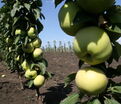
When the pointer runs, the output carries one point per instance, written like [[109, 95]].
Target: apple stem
[[39, 97], [20, 80]]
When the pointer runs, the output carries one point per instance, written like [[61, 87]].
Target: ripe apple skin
[[32, 32], [28, 48], [39, 81], [30, 74], [37, 53], [25, 65], [95, 6], [91, 80], [66, 18], [92, 45], [18, 32], [37, 42]]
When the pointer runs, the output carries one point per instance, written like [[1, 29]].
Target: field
[[60, 64]]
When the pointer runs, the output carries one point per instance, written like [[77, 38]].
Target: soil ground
[[60, 64]]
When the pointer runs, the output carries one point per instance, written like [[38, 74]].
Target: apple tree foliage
[[110, 21], [21, 15]]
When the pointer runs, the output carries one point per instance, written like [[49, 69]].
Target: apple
[[32, 32], [37, 42], [30, 74], [25, 65], [92, 45], [67, 15], [39, 81], [91, 80], [18, 32], [29, 48], [95, 6], [37, 53]]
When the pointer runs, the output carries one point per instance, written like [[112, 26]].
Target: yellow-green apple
[[95, 6], [37, 53], [92, 45], [39, 81], [25, 65], [32, 32], [37, 42], [29, 48], [31, 74], [19, 32], [91, 80], [67, 18]]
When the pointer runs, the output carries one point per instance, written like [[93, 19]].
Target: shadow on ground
[[56, 93]]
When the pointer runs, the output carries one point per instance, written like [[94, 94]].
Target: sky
[[52, 30]]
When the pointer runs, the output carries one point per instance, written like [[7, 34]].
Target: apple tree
[[95, 26], [20, 43]]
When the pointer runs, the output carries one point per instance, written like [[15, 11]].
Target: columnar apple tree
[[20, 25], [95, 26]]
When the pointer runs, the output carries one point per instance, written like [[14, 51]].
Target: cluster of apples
[[33, 49], [91, 43]]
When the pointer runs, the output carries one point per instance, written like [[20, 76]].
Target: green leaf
[[69, 79], [115, 89], [42, 68], [57, 2], [17, 39], [117, 50], [15, 20], [37, 13], [94, 101], [44, 61], [16, 7], [29, 83], [26, 40], [115, 28], [72, 99], [110, 101], [39, 26], [48, 75], [27, 6], [114, 14]]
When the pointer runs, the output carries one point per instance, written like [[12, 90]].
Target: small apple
[[37, 42], [18, 32], [39, 81], [30, 74], [37, 53], [28, 48], [91, 80], [67, 16], [25, 65], [92, 45], [32, 32], [95, 6]]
